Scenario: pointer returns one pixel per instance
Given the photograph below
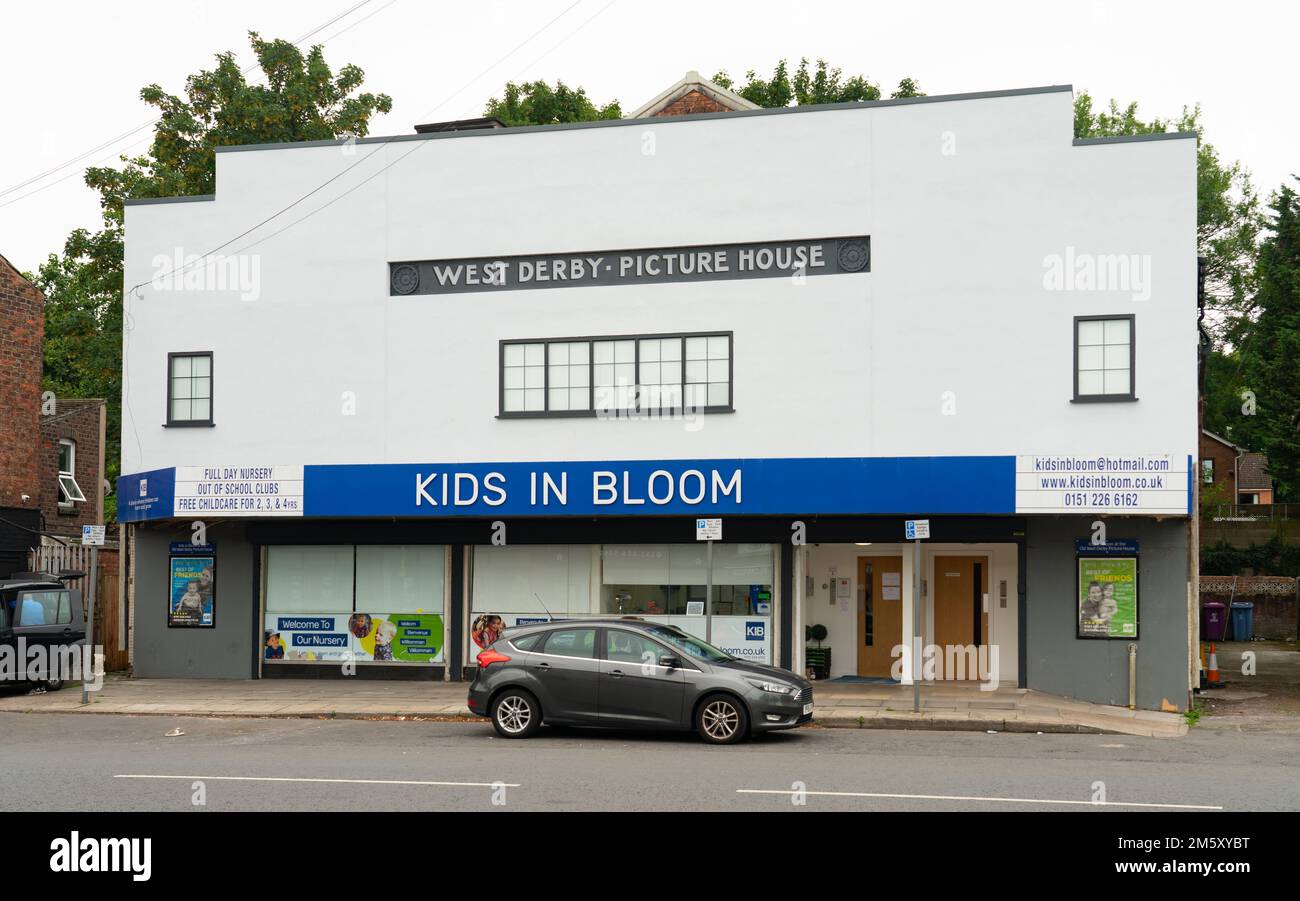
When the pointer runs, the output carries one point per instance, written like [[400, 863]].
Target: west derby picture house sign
[[703, 262]]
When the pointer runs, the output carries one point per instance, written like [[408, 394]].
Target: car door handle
[[616, 673], [543, 666]]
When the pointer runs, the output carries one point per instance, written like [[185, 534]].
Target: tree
[[820, 85], [1271, 351], [302, 100], [1228, 218], [537, 103]]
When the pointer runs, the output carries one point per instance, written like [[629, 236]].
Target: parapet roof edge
[[614, 123]]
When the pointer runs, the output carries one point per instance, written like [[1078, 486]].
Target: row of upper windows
[[659, 373]]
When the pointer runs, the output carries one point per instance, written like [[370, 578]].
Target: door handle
[[616, 673], [543, 666]]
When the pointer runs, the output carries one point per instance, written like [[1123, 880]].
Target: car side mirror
[[670, 662]]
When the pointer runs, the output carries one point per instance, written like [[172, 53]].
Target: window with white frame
[[189, 389], [616, 374], [69, 491], [1104, 358]]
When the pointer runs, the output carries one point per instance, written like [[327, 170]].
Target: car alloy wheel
[[515, 715], [722, 721]]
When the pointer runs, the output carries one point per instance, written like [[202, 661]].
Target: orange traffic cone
[[1213, 676]]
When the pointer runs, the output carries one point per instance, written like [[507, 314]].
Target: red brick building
[[72, 448], [52, 456], [22, 331], [693, 94], [1234, 474]]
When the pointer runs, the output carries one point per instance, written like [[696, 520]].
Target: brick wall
[[1274, 598], [81, 421], [22, 333], [692, 102]]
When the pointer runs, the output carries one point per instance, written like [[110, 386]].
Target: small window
[[69, 491], [1207, 471], [189, 389], [572, 643], [1103, 358]]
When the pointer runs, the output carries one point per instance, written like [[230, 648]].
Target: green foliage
[[302, 100], [537, 103], [1224, 403], [821, 84], [1270, 351], [815, 633], [1274, 558], [1228, 218]]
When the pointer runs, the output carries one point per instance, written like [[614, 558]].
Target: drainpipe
[[1132, 676]]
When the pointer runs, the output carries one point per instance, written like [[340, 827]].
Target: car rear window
[[527, 642]]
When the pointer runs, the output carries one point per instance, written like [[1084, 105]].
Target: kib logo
[[755, 631]]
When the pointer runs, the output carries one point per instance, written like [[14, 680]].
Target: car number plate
[[807, 708]]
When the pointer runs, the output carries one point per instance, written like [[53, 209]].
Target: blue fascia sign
[[805, 486]]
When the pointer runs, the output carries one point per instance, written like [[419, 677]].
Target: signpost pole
[[91, 591], [916, 626], [708, 592]]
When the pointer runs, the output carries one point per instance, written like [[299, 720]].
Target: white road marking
[[762, 791], [344, 781]]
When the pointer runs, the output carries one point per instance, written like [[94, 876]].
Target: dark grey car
[[630, 674]]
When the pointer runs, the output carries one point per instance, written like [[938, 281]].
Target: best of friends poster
[[193, 592], [1108, 597]]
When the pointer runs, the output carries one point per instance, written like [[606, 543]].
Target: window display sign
[[360, 637], [193, 591], [1107, 596]]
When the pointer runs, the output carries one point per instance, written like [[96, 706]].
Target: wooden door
[[880, 613], [960, 584]]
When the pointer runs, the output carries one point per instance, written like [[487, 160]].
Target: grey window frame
[[591, 411], [212, 391], [1131, 396]]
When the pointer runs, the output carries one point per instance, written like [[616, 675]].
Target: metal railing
[[1254, 512]]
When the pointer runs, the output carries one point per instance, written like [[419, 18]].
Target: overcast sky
[[72, 71]]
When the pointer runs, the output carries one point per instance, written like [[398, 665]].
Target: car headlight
[[779, 688]]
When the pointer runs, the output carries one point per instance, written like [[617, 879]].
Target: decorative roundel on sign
[[853, 256], [405, 279]]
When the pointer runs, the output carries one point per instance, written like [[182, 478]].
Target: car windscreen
[[689, 644]]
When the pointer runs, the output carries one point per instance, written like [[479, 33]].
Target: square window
[[189, 378], [1103, 353]]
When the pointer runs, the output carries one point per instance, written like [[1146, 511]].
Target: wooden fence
[[109, 628]]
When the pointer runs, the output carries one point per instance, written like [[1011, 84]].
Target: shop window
[[670, 579], [652, 374], [309, 579], [1207, 471], [69, 491], [399, 578], [364, 603], [1104, 358], [534, 581], [189, 389]]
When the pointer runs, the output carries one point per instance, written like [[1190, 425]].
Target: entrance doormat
[[873, 680]]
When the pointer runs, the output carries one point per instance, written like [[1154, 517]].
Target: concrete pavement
[[945, 706]]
